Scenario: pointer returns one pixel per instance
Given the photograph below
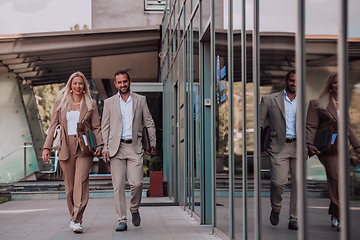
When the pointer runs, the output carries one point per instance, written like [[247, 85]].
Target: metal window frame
[[256, 84], [244, 127], [230, 36], [343, 75], [300, 52]]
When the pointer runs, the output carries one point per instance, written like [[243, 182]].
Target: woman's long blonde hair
[[65, 94], [325, 95]]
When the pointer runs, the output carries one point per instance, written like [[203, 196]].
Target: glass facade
[[202, 63]]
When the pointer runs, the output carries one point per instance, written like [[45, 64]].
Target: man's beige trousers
[[126, 158]]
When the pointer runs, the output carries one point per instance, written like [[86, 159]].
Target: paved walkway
[[49, 219], [319, 227]]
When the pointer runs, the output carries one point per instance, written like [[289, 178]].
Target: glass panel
[[354, 82], [222, 111], [187, 83], [194, 2], [175, 143], [355, 121], [196, 57], [275, 62], [182, 20], [205, 12], [154, 100], [188, 11], [197, 165], [182, 126], [177, 8], [176, 39]]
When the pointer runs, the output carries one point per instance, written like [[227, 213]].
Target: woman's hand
[[46, 155], [312, 150], [98, 151]]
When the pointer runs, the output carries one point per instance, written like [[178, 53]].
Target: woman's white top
[[72, 119]]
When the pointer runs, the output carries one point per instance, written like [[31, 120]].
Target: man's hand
[[357, 152], [312, 150], [46, 155], [105, 156], [152, 150], [97, 153]]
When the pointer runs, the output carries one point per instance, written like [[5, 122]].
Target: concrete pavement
[[49, 219], [319, 227]]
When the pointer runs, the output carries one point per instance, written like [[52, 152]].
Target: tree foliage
[[47, 94], [77, 27]]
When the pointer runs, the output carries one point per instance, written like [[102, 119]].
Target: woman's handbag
[[57, 137], [86, 138]]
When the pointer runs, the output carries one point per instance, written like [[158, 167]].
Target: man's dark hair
[[288, 74], [122, 72]]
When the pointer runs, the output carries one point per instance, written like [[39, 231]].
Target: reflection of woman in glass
[[74, 106], [324, 113]]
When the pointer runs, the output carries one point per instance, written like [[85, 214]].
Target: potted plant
[[156, 176]]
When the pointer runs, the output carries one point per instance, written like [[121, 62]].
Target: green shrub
[[4, 199], [156, 164]]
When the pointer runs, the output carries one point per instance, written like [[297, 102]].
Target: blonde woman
[[73, 106], [324, 113]]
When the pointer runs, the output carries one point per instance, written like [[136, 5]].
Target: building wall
[[15, 130], [122, 13]]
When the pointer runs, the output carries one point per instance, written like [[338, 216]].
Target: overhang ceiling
[[45, 58]]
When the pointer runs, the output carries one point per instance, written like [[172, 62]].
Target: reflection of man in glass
[[279, 111]]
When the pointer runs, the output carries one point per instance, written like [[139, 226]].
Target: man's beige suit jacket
[[111, 124], [272, 113]]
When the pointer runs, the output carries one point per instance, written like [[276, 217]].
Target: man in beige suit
[[122, 124], [278, 110]]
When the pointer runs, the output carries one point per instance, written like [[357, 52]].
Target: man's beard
[[126, 91], [290, 90]]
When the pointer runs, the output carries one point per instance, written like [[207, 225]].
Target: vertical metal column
[[213, 105], [300, 122], [178, 107], [190, 132], [173, 164], [25, 161], [187, 66], [230, 38], [244, 135], [191, 116], [256, 82], [185, 117], [201, 119], [343, 130]]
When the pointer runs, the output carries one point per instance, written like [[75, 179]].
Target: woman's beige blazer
[[319, 118], [59, 117]]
